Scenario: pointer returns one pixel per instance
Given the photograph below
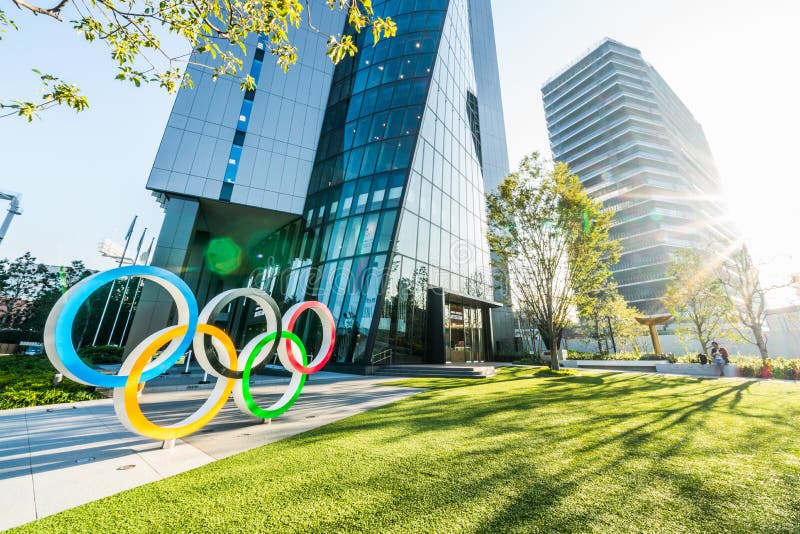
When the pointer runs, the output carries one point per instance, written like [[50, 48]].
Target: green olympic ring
[[295, 385]]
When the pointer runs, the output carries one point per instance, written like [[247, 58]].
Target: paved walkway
[[54, 458]]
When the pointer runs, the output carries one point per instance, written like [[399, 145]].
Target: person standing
[[719, 356]]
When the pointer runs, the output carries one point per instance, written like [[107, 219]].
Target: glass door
[[456, 342], [480, 356], [473, 328], [448, 348], [464, 334]]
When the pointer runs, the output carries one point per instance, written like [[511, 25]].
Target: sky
[[732, 62]]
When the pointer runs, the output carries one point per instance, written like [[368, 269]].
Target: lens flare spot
[[223, 256]]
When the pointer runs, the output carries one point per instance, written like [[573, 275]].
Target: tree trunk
[[761, 342], [551, 343], [83, 332], [700, 338], [703, 348], [762, 348], [611, 334], [554, 365], [597, 335]]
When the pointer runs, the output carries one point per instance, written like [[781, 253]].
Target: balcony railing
[[650, 261], [640, 281]]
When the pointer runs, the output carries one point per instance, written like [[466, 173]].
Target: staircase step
[[436, 371], [425, 375], [428, 371], [438, 368], [401, 359]]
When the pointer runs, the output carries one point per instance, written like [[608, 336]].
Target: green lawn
[[526, 452]]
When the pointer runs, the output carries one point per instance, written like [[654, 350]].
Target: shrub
[[533, 360], [546, 372], [21, 398], [101, 354], [777, 368], [577, 355], [749, 366], [512, 356], [749, 369], [28, 381]]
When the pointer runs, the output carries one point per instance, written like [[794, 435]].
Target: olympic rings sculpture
[[233, 372]]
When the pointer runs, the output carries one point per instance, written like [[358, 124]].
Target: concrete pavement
[[56, 457]]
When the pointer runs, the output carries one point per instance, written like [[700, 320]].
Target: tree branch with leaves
[[740, 280], [696, 299], [215, 31]]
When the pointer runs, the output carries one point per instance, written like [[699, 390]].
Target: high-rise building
[[637, 148], [360, 185]]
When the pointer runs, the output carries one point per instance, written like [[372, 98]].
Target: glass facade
[[639, 150], [262, 142], [241, 126], [494, 160], [254, 150], [396, 202], [392, 232], [371, 126], [441, 242]]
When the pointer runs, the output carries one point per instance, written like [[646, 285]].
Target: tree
[[3, 275], [23, 279], [214, 31], [54, 285], [29, 290], [608, 318], [739, 280], [696, 299], [551, 241]]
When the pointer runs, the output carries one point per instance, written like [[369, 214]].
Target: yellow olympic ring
[[131, 412]]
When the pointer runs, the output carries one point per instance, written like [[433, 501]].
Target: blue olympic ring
[[59, 335]]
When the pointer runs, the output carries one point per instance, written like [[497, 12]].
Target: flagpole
[[111, 291], [136, 293], [125, 291]]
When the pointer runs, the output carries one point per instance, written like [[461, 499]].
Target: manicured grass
[[523, 452]]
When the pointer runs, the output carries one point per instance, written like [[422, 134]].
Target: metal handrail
[[379, 358]]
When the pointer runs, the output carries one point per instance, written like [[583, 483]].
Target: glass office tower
[[376, 203], [638, 149]]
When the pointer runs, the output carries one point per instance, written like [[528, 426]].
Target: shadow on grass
[[504, 374], [523, 451], [660, 405], [590, 380]]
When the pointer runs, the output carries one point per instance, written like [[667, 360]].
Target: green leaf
[[134, 32]]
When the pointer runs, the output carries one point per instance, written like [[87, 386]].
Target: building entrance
[[464, 336]]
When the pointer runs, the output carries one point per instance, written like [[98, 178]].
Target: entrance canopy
[[459, 327], [467, 300]]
